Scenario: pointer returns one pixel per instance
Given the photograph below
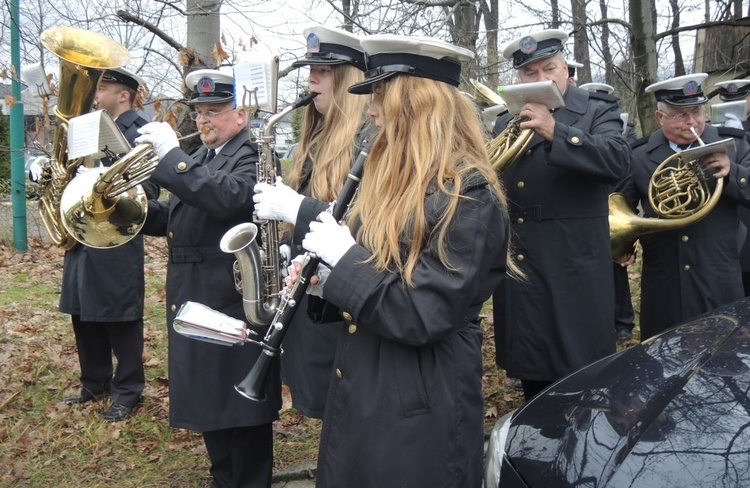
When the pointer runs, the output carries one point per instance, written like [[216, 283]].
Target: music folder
[[255, 81], [544, 92], [719, 111], [197, 321], [699, 152]]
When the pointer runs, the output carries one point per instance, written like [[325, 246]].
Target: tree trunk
[[555, 14], [203, 29], [464, 30], [609, 69], [644, 58], [581, 41], [679, 64], [489, 12]]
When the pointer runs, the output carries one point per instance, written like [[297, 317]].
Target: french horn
[[504, 149], [680, 194]]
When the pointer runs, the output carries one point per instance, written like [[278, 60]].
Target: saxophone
[[257, 270]]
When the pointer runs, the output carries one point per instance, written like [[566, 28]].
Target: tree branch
[[733, 23], [128, 17]]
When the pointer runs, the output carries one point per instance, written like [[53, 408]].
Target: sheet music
[[255, 79], [544, 92], [198, 321], [699, 152], [92, 133], [36, 80]]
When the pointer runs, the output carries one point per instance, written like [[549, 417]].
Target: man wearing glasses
[[211, 190], [692, 269]]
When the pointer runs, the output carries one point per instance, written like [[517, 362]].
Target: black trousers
[[241, 457], [624, 315], [96, 342]]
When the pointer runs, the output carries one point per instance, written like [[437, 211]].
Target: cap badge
[[732, 88], [527, 45], [691, 88], [205, 85], [313, 43]]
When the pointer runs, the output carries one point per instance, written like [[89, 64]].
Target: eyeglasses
[[695, 113], [207, 115]]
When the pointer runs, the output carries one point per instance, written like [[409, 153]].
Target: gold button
[[171, 235], [520, 184], [299, 247], [520, 257], [575, 140], [743, 181], [520, 220], [528, 152], [686, 267], [685, 238], [347, 316], [181, 166], [352, 329], [174, 308], [339, 373]]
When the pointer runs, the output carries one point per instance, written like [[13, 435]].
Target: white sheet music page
[[92, 133], [255, 79]]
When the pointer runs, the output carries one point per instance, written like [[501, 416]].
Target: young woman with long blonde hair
[[332, 127], [427, 246]]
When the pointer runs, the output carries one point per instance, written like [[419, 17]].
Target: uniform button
[[520, 220], [171, 235], [299, 247], [347, 316], [174, 308], [686, 267], [685, 238], [528, 152], [743, 181], [339, 373], [575, 140], [181, 166], [520, 257], [520, 184], [352, 329]]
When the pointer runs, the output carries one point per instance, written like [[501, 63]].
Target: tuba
[[106, 207], [679, 193], [84, 56], [504, 149], [257, 269]]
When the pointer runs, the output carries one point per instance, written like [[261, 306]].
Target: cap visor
[[690, 102], [310, 62], [365, 87]]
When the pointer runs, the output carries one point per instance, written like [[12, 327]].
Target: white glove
[[328, 239], [277, 202], [317, 289], [160, 135], [36, 168], [732, 121]]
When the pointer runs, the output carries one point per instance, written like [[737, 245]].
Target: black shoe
[[118, 412], [83, 397], [517, 385], [623, 334]]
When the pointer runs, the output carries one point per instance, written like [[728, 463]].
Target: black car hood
[[671, 412]]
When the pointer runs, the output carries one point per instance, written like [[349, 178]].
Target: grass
[[44, 442]]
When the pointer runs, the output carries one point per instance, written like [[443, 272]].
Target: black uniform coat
[[309, 347], [405, 407], [107, 285], [560, 319], [693, 269], [205, 202]]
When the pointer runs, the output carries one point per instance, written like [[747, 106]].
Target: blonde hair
[[329, 140], [430, 139]]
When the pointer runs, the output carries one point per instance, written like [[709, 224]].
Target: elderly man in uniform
[[103, 289], [693, 269], [560, 318], [211, 191]]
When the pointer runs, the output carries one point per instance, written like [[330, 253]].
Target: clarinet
[[252, 386]]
